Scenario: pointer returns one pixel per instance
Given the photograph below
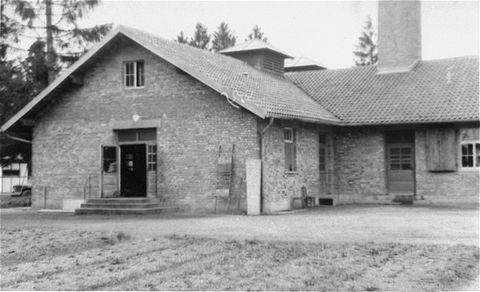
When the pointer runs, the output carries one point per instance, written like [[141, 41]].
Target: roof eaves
[[316, 120], [409, 122], [44, 93]]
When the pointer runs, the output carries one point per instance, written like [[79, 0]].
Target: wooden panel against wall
[[441, 149]]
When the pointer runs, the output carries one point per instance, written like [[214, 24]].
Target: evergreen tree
[[201, 38], [257, 34], [35, 65], [223, 38], [181, 38], [366, 50], [58, 40], [56, 24]]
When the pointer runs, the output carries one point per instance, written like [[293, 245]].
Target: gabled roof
[[443, 90], [253, 45], [303, 62], [263, 94]]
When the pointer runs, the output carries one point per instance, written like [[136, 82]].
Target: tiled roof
[[263, 94], [302, 62], [443, 90], [275, 95], [253, 45]]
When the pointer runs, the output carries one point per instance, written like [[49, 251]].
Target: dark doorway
[[133, 180], [401, 162]]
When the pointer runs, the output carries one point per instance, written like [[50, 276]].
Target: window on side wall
[[289, 139], [470, 148], [133, 74], [152, 158], [322, 155]]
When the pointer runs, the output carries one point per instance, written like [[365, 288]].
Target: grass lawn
[[46, 258]]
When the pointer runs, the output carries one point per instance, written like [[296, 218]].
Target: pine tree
[[366, 51], [201, 38], [223, 38], [181, 38], [58, 40], [56, 24], [257, 34]]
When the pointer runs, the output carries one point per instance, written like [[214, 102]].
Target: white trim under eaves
[[58, 81]]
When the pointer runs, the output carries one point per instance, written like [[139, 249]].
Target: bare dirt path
[[337, 224]]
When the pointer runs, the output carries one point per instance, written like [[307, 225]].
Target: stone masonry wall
[[360, 165], [280, 186], [457, 187], [361, 171], [193, 120]]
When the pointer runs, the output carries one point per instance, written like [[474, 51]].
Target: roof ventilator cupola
[[260, 55]]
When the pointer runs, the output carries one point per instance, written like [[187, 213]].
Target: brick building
[[140, 116]]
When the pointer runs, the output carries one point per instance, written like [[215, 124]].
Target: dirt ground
[[413, 224], [341, 248]]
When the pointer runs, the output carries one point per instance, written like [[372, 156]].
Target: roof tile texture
[[443, 90], [276, 95]]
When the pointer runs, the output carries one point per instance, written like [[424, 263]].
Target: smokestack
[[399, 35]]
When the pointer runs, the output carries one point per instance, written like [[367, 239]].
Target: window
[[129, 161], [401, 158], [290, 149], [322, 155], [137, 135], [152, 157], [110, 159], [470, 148], [133, 74]]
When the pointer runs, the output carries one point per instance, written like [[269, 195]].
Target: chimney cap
[[253, 45]]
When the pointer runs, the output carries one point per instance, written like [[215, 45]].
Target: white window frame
[[475, 155], [292, 141], [135, 73]]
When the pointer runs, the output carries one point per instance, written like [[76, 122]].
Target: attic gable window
[[133, 75]]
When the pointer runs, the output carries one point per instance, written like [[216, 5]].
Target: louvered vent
[[273, 63]]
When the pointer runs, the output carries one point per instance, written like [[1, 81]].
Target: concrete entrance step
[[120, 205], [403, 198], [118, 200], [123, 206], [123, 211]]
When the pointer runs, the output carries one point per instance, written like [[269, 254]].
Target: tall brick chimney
[[399, 35]]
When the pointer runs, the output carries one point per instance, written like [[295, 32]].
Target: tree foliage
[[68, 36], [201, 38], [39, 22], [365, 52], [257, 34], [51, 32], [181, 38], [223, 38]]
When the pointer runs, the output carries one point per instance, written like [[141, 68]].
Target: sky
[[325, 31]]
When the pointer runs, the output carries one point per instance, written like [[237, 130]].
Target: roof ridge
[[208, 52], [451, 58], [244, 66], [263, 94]]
